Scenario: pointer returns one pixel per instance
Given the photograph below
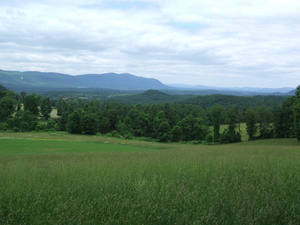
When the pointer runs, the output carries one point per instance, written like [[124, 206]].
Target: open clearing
[[56, 178]]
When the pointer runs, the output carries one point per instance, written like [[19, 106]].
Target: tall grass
[[253, 183]]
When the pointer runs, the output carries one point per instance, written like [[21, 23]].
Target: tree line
[[166, 122]]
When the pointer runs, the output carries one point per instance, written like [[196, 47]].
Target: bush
[[41, 127], [115, 134], [209, 138], [230, 137], [24, 126]]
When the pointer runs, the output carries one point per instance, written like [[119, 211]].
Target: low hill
[[147, 97], [31, 80], [154, 96]]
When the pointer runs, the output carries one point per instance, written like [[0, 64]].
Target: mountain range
[[35, 81]]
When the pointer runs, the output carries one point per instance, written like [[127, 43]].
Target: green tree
[[124, 130], [90, 124], [284, 119], [61, 106], [298, 92], [92, 107], [104, 125], [251, 120], [296, 109], [46, 108], [216, 113], [176, 133], [23, 120], [265, 117], [32, 103], [22, 96], [193, 128], [62, 122], [74, 124], [163, 132], [7, 107], [230, 135]]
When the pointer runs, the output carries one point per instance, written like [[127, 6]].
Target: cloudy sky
[[229, 43]]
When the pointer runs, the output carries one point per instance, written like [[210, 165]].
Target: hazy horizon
[[226, 43]]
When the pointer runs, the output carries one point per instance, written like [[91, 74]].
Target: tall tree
[[22, 96], [46, 108], [23, 120], [193, 128], [296, 109], [61, 106], [90, 124], [7, 107], [251, 120], [74, 124], [284, 119], [176, 133], [264, 122], [216, 112], [163, 132], [230, 135], [104, 125], [32, 103]]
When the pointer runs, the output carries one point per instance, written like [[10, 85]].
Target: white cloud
[[226, 43]]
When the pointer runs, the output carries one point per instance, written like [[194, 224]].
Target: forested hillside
[[155, 97], [241, 101], [2, 88], [185, 120], [38, 81]]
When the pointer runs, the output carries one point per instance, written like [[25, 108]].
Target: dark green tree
[[124, 130], [176, 134], [163, 132], [216, 113], [296, 109], [158, 120], [92, 107], [230, 135], [251, 120], [32, 103], [193, 128], [284, 119], [46, 108], [104, 125], [22, 96], [74, 124], [62, 106], [265, 118], [90, 124], [7, 107], [23, 121], [62, 122]]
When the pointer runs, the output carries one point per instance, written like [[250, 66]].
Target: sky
[[225, 43]]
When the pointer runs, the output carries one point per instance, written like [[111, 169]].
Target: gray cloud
[[226, 43]]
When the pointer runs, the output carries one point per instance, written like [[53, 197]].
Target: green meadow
[[57, 178]]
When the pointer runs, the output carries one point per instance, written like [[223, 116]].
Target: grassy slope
[[246, 183]]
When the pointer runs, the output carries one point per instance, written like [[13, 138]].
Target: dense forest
[[154, 115]]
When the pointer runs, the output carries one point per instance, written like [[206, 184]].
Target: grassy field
[[74, 179]]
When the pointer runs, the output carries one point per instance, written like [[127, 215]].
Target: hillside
[[2, 88], [38, 81], [147, 97], [154, 96], [229, 100]]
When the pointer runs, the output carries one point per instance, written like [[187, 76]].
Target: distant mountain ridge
[[16, 80], [35, 81], [234, 89]]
